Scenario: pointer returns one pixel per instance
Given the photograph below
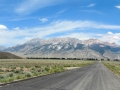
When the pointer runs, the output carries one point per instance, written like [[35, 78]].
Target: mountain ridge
[[67, 47]]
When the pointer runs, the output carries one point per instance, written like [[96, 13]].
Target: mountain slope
[[5, 55], [67, 47]]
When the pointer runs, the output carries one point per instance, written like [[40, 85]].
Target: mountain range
[[66, 48]]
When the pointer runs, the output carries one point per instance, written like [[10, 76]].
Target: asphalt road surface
[[92, 77]]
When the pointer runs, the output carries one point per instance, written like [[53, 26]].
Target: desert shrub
[[27, 66], [18, 77], [28, 74], [2, 77], [10, 79], [35, 73], [13, 68], [10, 75], [47, 69], [37, 66], [18, 71], [1, 70], [7, 79], [33, 69]]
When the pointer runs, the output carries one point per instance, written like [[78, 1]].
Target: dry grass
[[114, 66]]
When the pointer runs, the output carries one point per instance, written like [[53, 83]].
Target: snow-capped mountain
[[34, 41], [92, 41], [67, 47]]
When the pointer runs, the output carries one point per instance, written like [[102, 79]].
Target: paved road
[[93, 77]]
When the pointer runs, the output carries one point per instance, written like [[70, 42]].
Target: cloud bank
[[77, 28]]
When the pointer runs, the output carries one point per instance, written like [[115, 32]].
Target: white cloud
[[3, 27], [110, 33], [118, 6], [80, 36], [92, 11], [111, 37], [17, 28], [91, 5], [116, 37], [20, 19], [43, 19], [12, 37], [62, 11], [108, 37], [29, 6]]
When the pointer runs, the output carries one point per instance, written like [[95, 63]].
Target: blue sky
[[22, 20]]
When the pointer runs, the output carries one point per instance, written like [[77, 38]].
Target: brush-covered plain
[[12, 70], [114, 66]]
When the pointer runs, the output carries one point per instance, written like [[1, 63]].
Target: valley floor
[[92, 77]]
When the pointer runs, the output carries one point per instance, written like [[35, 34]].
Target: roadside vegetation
[[11, 70], [114, 66]]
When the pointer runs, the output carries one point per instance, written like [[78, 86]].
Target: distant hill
[[5, 55]]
